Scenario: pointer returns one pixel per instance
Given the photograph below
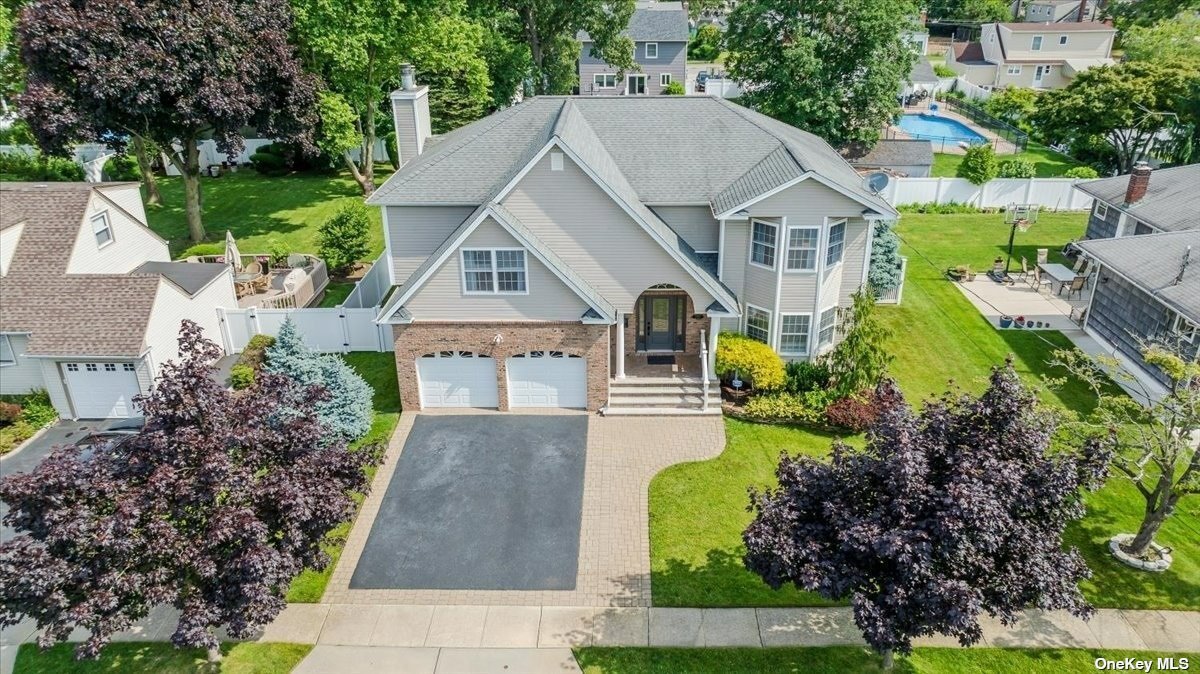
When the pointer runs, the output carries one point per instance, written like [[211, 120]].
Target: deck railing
[[305, 293]]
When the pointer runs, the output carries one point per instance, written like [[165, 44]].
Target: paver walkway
[[623, 454]]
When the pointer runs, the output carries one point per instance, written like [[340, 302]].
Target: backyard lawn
[[162, 658], [838, 659], [698, 510], [260, 211], [1049, 164]]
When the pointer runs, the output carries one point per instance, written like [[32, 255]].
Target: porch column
[[620, 363], [714, 327]]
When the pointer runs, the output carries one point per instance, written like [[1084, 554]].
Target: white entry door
[[102, 390], [457, 379], [547, 379], [1038, 74]]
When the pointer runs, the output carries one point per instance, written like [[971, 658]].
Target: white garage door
[[102, 390], [457, 379], [547, 379]]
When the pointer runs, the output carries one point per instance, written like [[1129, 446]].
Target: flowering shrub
[[749, 359]]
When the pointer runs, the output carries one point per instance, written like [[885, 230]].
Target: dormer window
[[651, 50], [102, 230]]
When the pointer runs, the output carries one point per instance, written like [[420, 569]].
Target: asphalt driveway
[[489, 502]]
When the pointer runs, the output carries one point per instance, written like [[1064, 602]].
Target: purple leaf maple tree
[[213, 509], [948, 513]]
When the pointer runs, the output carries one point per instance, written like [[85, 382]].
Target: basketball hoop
[[1023, 224]]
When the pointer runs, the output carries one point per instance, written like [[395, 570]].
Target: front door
[[661, 324], [635, 85], [1038, 73]]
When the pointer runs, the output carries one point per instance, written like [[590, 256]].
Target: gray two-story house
[[571, 252], [659, 31], [1143, 235]]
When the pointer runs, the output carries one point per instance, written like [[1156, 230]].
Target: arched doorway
[[661, 314]]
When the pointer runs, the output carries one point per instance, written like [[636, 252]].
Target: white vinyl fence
[[1057, 194], [973, 92], [896, 294], [371, 288], [336, 330]]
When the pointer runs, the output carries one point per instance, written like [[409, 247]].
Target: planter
[[1156, 565], [1006, 321]]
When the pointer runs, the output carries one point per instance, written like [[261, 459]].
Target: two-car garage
[[533, 379]]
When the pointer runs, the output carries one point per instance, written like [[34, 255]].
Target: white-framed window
[[1185, 329], [827, 327], [1062, 39], [651, 50], [763, 239], [837, 244], [1014, 70], [102, 229], [1037, 43], [7, 355], [793, 334], [664, 79], [556, 161], [802, 247], [1101, 210], [758, 324], [604, 80], [494, 271]]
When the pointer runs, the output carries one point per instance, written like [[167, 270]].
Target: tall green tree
[[1126, 13], [507, 56], [832, 67], [1169, 41], [449, 58], [549, 27], [982, 11], [1128, 105], [173, 73]]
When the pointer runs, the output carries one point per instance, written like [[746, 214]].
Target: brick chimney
[[410, 114], [1139, 182]]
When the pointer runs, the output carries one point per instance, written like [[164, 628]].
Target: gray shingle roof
[[1153, 261], [922, 72], [650, 140], [66, 315], [1172, 201], [191, 277], [897, 152], [654, 22]]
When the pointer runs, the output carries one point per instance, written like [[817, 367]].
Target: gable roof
[[66, 315], [654, 22], [190, 277], [969, 53], [1072, 27], [1153, 262], [647, 138], [1172, 201]]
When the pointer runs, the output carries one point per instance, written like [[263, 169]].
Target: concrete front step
[[713, 410], [662, 389], [671, 400]]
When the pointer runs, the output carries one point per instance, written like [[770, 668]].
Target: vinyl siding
[[851, 275], [52, 377], [8, 245], [734, 256], [128, 197], [442, 297], [414, 232], [172, 305], [694, 223], [672, 58], [406, 128], [573, 215], [1080, 44], [26, 375], [133, 243]]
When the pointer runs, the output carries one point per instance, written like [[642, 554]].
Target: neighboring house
[[573, 252], [659, 31], [1041, 56], [1060, 11], [1141, 231], [921, 78], [92, 303], [919, 39], [901, 157]]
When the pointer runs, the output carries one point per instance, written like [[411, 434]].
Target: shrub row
[[20, 420], [19, 167], [245, 370]]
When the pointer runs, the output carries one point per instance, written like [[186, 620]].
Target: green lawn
[[840, 659], [1050, 164], [379, 369], [260, 210], [336, 293], [162, 658], [698, 510]]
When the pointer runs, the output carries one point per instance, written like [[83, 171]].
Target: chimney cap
[[408, 80]]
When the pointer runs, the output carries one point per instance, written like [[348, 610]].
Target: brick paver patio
[[623, 454]]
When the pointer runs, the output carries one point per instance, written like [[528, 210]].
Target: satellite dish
[[876, 182]]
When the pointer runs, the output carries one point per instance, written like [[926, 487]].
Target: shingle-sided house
[[1141, 232], [659, 31], [566, 250], [90, 303], [1037, 55]]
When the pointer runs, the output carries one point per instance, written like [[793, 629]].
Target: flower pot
[[1006, 321]]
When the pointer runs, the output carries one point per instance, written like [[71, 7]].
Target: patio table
[[244, 282], [1061, 273]]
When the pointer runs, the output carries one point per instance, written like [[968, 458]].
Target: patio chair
[[262, 283], [1081, 265], [1024, 270], [252, 268], [1076, 287], [1036, 279]]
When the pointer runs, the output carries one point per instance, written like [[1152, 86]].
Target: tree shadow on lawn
[[722, 581]]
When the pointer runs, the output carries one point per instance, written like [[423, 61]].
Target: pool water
[[933, 127]]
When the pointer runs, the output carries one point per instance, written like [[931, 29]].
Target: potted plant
[[1020, 321], [1006, 321]]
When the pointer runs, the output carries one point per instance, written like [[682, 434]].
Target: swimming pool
[[934, 127]]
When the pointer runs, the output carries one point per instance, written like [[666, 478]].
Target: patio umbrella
[[232, 255]]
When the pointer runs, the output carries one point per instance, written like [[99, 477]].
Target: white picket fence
[[336, 330], [1057, 194]]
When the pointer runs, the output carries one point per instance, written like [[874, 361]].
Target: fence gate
[[334, 330]]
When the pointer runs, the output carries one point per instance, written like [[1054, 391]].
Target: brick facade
[[587, 341]]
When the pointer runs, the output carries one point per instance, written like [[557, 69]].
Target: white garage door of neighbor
[[102, 390], [547, 379], [457, 379]]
